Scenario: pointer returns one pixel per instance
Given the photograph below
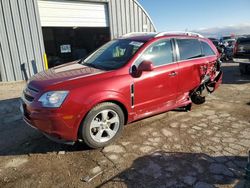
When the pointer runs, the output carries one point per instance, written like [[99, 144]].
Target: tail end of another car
[[241, 54]]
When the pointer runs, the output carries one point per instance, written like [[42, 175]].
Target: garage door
[[73, 14]]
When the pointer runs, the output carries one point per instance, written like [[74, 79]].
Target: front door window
[[159, 53]]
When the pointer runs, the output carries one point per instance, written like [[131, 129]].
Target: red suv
[[136, 76]]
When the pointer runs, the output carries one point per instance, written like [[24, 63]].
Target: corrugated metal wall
[[128, 16], [21, 42]]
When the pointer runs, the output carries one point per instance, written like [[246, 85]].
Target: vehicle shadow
[[17, 138], [232, 75], [164, 169]]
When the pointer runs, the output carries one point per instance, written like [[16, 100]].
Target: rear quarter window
[[206, 49], [189, 48]]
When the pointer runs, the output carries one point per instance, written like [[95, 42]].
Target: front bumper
[[52, 124], [55, 139]]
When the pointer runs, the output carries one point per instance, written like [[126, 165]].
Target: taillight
[[236, 48]]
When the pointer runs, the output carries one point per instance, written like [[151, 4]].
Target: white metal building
[[64, 30]]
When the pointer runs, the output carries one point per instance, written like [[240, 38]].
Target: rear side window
[[189, 48], [207, 50]]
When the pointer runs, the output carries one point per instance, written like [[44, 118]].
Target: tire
[[197, 97], [102, 125], [243, 68]]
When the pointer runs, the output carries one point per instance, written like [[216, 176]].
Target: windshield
[[113, 55]]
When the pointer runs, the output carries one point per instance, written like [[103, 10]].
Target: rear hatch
[[242, 48]]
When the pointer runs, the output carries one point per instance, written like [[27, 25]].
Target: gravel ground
[[206, 147]]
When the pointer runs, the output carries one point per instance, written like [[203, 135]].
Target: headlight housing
[[53, 99]]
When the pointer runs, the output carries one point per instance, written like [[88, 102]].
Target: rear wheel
[[102, 125], [197, 96]]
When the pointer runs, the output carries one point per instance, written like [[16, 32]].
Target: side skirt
[[185, 102]]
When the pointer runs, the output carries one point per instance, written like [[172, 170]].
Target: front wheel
[[102, 125]]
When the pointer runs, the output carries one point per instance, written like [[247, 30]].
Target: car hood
[[63, 73]]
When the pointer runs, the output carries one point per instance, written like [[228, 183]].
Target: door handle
[[172, 74]]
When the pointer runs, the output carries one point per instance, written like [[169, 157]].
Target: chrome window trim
[[177, 52], [183, 61], [195, 58]]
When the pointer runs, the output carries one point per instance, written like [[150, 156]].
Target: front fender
[[100, 97], [104, 96]]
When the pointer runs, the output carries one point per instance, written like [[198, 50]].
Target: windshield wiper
[[90, 65], [94, 66], [80, 61]]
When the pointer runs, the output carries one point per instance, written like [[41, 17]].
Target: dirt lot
[[206, 147]]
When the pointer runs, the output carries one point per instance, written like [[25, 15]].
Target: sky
[[216, 16]]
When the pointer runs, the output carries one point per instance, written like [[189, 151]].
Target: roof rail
[[179, 32], [133, 34]]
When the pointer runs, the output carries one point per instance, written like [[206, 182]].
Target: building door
[[72, 29]]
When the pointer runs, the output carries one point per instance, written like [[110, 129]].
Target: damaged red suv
[[136, 76]]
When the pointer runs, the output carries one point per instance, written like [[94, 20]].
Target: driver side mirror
[[145, 66]]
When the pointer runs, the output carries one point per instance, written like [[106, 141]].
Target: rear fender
[[213, 85], [208, 84]]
